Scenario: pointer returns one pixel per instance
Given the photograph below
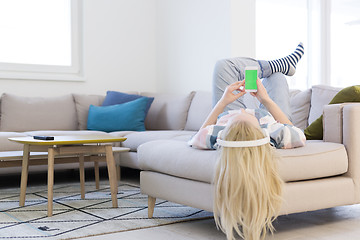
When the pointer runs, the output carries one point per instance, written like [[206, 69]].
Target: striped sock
[[287, 65]]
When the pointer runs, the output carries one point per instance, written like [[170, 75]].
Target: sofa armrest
[[341, 124], [333, 123], [351, 139]]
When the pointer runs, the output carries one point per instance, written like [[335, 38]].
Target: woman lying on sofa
[[247, 184]]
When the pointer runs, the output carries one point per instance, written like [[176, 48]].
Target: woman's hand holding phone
[[233, 92], [261, 93]]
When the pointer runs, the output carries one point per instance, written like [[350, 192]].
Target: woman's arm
[[270, 105], [286, 136], [227, 98], [276, 112]]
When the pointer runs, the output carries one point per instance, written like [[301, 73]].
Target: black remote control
[[43, 138]]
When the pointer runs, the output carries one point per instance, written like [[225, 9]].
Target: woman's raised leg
[[226, 72], [278, 90]]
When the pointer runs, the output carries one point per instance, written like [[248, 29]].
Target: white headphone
[[252, 143]]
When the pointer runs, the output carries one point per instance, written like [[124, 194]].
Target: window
[[40, 39], [345, 39], [330, 31], [280, 26]]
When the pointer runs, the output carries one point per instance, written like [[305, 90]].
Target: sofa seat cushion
[[315, 160], [65, 133], [135, 139], [120, 133]]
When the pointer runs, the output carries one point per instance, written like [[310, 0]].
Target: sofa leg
[[151, 206]]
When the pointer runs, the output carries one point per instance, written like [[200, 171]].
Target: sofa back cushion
[[168, 111], [200, 108], [83, 102], [115, 97], [37, 113], [321, 96], [300, 107]]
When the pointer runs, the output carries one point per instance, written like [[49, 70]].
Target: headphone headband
[[252, 143]]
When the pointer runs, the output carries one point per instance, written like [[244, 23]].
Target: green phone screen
[[250, 79]]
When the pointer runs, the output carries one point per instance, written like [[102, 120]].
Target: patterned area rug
[[74, 217]]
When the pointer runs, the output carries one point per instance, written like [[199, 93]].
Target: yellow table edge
[[71, 140]]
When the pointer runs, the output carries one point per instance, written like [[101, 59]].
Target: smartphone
[[250, 79], [43, 137]]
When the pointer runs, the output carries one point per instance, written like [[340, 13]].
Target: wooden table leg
[[51, 156], [112, 174], [82, 175], [24, 174], [97, 176]]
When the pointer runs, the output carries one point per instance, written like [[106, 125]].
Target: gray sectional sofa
[[320, 175], [67, 115], [171, 117]]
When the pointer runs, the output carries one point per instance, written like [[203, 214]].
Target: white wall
[[153, 45], [193, 34], [243, 23], [119, 51], [120, 44]]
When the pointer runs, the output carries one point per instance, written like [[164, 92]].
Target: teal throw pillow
[[114, 97], [129, 116]]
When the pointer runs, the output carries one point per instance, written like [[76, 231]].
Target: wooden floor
[[329, 224]]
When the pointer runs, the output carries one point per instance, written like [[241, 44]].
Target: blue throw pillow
[[129, 116], [113, 97]]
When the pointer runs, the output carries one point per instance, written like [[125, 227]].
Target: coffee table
[[68, 145]]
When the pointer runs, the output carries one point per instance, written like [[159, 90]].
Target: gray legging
[[228, 71]]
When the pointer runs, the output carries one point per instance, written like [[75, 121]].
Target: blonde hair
[[247, 185]]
